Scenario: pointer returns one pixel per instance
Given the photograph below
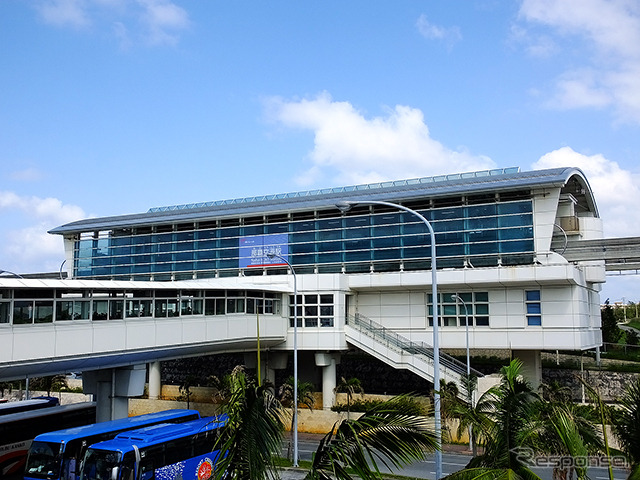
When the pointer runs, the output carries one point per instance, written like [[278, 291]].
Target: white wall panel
[[109, 336], [73, 339], [141, 333], [35, 341], [168, 331]]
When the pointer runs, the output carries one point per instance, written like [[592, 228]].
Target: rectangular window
[[534, 308], [100, 309], [116, 309], [22, 312], [81, 309], [64, 310], [313, 310], [4, 312], [455, 308], [44, 311]]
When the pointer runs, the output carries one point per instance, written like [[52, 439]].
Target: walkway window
[[22, 312], [100, 309], [4, 312], [116, 309], [72, 306], [64, 305]]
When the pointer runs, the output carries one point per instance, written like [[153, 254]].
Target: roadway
[[454, 458]]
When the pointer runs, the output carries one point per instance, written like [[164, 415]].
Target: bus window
[[43, 460], [100, 465]]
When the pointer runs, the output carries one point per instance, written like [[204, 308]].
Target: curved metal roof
[[404, 190]]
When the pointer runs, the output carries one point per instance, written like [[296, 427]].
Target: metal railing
[[397, 342]]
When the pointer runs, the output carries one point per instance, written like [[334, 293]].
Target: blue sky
[[110, 107]]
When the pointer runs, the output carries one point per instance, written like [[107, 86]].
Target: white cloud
[[430, 31], [64, 13], [581, 88], [616, 190], [608, 76], [26, 246], [350, 148], [33, 249], [26, 175], [50, 209], [163, 19], [158, 22]]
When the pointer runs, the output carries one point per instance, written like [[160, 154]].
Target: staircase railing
[[397, 342]]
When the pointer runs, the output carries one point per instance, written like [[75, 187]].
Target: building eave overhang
[[461, 184]]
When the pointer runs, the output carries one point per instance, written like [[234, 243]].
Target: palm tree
[[49, 384], [561, 430], [350, 387], [385, 433], [475, 418], [305, 394], [305, 398], [448, 397], [603, 412], [514, 404], [627, 426], [554, 392], [185, 389], [253, 434]]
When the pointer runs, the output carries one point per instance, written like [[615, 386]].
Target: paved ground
[[314, 439]]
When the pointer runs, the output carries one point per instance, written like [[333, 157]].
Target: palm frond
[[385, 435]]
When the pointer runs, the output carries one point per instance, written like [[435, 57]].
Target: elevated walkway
[[47, 349], [400, 352], [620, 255]]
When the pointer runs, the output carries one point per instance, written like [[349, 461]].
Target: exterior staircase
[[400, 352]]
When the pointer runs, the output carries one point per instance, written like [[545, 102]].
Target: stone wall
[[611, 385]]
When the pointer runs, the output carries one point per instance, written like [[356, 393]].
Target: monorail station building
[[215, 277]]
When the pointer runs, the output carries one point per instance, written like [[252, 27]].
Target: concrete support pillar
[[112, 388], [328, 362], [532, 366], [155, 386], [269, 363], [270, 375]]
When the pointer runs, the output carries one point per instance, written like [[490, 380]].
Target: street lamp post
[[271, 256], [468, 385], [346, 206]]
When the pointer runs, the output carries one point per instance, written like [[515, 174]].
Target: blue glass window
[[534, 308], [478, 234], [533, 295]]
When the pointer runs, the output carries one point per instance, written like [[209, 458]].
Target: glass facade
[[485, 231]]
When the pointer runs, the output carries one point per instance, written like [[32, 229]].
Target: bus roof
[[28, 405], [160, 433], [41, 412], [122, 423]]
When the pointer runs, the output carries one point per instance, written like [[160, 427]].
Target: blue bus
[[57, 455], [17, 430], [161, 452]]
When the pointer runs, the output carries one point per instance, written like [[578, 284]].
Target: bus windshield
[[43, 460], [100, 465]]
